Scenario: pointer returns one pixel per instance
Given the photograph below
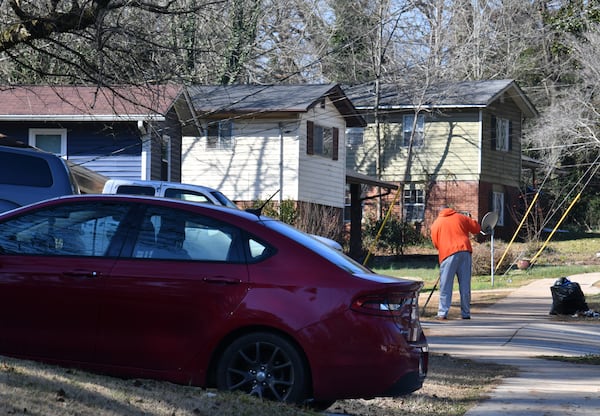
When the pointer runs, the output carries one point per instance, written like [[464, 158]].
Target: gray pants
[[458, 264]]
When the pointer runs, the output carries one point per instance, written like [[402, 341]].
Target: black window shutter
[[510, 135], [310, 128], [493, 132], [336, 143]]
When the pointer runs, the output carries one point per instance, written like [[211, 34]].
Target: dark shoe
[[441, 318], [466, 317]]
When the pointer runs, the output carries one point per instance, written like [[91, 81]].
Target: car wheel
[[264, 365]]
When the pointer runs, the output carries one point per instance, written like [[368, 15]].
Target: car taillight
[[381, 304], [403, 308]]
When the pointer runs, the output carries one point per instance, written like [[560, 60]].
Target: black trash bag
[[567, 298]]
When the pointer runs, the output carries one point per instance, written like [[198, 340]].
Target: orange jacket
[[450, 233]]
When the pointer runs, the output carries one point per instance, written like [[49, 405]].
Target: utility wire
[[577, 197]]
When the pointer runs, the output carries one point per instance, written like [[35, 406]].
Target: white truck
[[166, 189], [187, 192]]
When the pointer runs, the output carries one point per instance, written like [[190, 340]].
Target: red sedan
[[203, 295]]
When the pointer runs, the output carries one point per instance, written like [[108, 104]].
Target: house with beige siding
[[258, 141], [454, 144]]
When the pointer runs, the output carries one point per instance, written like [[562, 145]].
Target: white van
[[175, 190]]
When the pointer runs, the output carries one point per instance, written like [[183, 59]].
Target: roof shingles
[[73, 101]]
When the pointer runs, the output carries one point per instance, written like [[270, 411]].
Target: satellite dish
[[488, 222]]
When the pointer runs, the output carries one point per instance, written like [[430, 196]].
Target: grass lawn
[[452, 387], [564, 257]]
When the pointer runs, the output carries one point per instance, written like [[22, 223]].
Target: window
[[257, 250], [413, 204], [73, 230], [361, 190], [50, 140], [354, 136], [174, 235], [501, 134], [24, 170], [223, 200], [418, 134], [136, 190], [498, 206], [186, 195], [322, 141], [220, 135], [165, 150], [347, 205]]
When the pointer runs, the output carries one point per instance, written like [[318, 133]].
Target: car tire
[[264, 365]]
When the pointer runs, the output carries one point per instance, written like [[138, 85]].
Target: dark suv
[[29, 175]]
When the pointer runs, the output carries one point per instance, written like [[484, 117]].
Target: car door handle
[[82, 274], [222, 280]]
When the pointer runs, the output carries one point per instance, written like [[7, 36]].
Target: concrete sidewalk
[[518, 330]]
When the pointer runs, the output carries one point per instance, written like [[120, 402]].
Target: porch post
[[355, 222]]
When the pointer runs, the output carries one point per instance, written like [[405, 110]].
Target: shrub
[[287, 212], [320, 220], [308, 217], [394, 236], [482, 258]]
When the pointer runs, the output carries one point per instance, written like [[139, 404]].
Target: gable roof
[[463, 94], [243, 99], [85, 103]]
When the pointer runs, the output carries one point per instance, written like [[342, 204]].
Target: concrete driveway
[[518, 330]]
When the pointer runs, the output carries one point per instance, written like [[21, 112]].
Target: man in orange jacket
[[450, 235]]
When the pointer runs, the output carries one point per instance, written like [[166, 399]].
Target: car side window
[[186, 195], [136, 190], [24, 170], [82, 229], [179, 235], [258, 250]]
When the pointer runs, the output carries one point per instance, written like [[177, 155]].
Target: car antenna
[[258, 211]]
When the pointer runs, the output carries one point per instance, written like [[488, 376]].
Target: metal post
[[492, 256]]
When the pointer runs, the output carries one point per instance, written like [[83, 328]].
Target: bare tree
[[100, 41], [289, 47], [353, 41], [568, 128], [488, 39], [244, 21]]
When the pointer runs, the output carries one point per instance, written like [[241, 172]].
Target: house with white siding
[[257, 141]]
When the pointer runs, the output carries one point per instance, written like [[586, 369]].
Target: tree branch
[[31, 27]]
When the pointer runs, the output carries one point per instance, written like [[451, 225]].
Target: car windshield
[[224, 200], [331, 254]]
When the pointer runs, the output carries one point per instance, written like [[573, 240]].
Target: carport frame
[[355, 180]]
